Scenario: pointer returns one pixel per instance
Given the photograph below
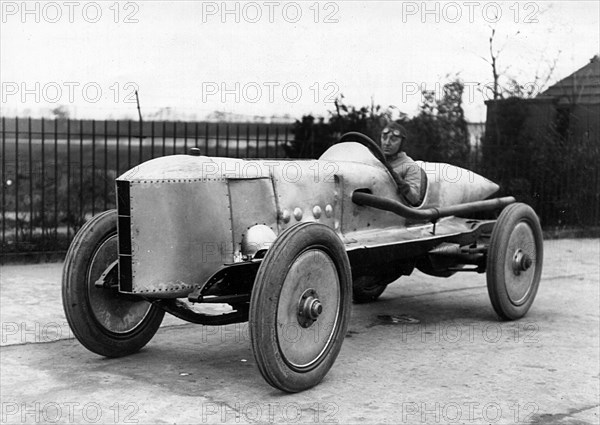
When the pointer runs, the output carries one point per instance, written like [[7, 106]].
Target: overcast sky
[[275, 58]]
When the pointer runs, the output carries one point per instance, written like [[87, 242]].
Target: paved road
[[430, 351]]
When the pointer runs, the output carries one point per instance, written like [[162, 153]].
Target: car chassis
[[287, 245]]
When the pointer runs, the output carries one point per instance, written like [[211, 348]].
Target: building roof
[[582, 86]]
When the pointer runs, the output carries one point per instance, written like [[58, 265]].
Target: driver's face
[[390, 141]]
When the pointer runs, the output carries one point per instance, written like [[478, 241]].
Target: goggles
[[395, 133]]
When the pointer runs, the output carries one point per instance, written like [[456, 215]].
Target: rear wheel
[[103, 320], [300, 307], [366, 289], [514, 263]]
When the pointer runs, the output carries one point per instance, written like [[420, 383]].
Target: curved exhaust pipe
[[430, 214]]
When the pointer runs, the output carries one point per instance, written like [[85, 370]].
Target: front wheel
[[103, 321], [300, 307], [514, 263]]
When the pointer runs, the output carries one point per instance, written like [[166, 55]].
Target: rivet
[[297, 214], [328, 210], [317, 211], [285, 215]]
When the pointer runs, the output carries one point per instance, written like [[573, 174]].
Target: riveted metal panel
[[308, 191], [252, 202], [180, 234]]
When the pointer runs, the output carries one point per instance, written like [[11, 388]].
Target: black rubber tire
[[366, 289], [279, 262], [98, 234], [501, 252]]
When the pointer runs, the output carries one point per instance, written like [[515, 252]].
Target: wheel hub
[[521, 262], [309, 308]]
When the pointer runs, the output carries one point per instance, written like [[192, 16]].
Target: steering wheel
[[370, 144]]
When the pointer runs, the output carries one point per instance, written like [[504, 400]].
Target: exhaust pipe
[[430, 214]]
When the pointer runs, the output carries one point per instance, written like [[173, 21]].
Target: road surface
[[429, 351]]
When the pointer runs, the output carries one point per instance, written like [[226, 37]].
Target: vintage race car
[[286, 246]]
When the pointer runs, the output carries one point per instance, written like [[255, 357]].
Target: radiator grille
[[124, 232]]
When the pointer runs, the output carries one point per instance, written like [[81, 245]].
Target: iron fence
[[58, 173], [560, 181]]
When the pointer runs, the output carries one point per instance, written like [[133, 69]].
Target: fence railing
[[560, 181], [58, 173]]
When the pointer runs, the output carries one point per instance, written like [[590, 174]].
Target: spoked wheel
[[514, 263], [300, 307], [366, 289], [103, 320]]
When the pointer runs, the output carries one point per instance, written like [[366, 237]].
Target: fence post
[[247, 140], [164, 138], [81, 202], [141, 144], [93, 167], [206, 139], [43, 180], [285, 141], [105, 165], [3, 180], [267, 142], [218, 141], [227, 139], [237, 140], [68, 178], [174, 137], [152, 138], [56, 181], [185, 137], [17, 181], [30, 160], [257, 139], [128, 144], [118, 147], [277, 142]]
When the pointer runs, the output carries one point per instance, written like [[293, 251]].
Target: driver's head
[[392, 138]]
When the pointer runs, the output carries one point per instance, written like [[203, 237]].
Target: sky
[[276, 58]]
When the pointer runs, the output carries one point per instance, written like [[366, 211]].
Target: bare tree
[[504, 85], [492, 62]]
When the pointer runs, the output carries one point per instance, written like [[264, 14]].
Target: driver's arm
[[409, 183]]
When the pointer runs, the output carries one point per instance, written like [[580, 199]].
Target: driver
[[407, 173]]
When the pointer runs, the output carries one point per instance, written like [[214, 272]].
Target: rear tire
[[514, 263], [101, 319], [366, 289]]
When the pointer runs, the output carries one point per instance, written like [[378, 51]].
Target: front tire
[[101, 319], [514, 263], [300, 307]]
